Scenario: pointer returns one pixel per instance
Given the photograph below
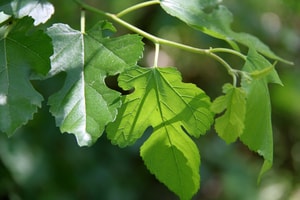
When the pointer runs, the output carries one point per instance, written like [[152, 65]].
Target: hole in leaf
[[112, 83]]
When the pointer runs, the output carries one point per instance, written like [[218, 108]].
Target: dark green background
[[39, 162]]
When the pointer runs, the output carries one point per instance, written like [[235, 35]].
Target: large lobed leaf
[[258, 135], [39, 10], [23, 55], [171, 107], [230, 125], [85, 104], [214, 20]]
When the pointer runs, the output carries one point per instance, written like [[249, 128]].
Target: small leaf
[[21, 55], [85, 104], [216, 23], [230, 125], [162, 101], [258, 135], [39, 10]]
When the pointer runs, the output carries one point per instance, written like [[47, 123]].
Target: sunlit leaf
[[85, 104], [230, 125], [174, 159], [22, 54], [39, 10], [159, 96], [214, 20], [258, 135], [172, 108]]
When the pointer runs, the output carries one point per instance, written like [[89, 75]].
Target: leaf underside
[[85, 104]]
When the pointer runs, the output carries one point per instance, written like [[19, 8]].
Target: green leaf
[[174, 159], [159, 97], [39, 10], [216, 23], [85, 104], [230, 125], [21, 55], [258, 135], [4, 18], [171, 107]]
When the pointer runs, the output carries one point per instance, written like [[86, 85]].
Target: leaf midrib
[[156, 83]]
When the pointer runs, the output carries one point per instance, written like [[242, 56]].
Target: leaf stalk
[[82, 21], [160, 41], [137, 7], [157, 46]]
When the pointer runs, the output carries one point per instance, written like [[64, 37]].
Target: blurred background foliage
[[39, 162]]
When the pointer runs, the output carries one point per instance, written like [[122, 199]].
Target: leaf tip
[[265, 167], [84, 139]]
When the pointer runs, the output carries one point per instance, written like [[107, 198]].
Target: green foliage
[[24, 55], [173, 103], [175, 111], [258, 126], [40, 10], [85, 104], [214, 20], [162, 101], [230, 125]]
